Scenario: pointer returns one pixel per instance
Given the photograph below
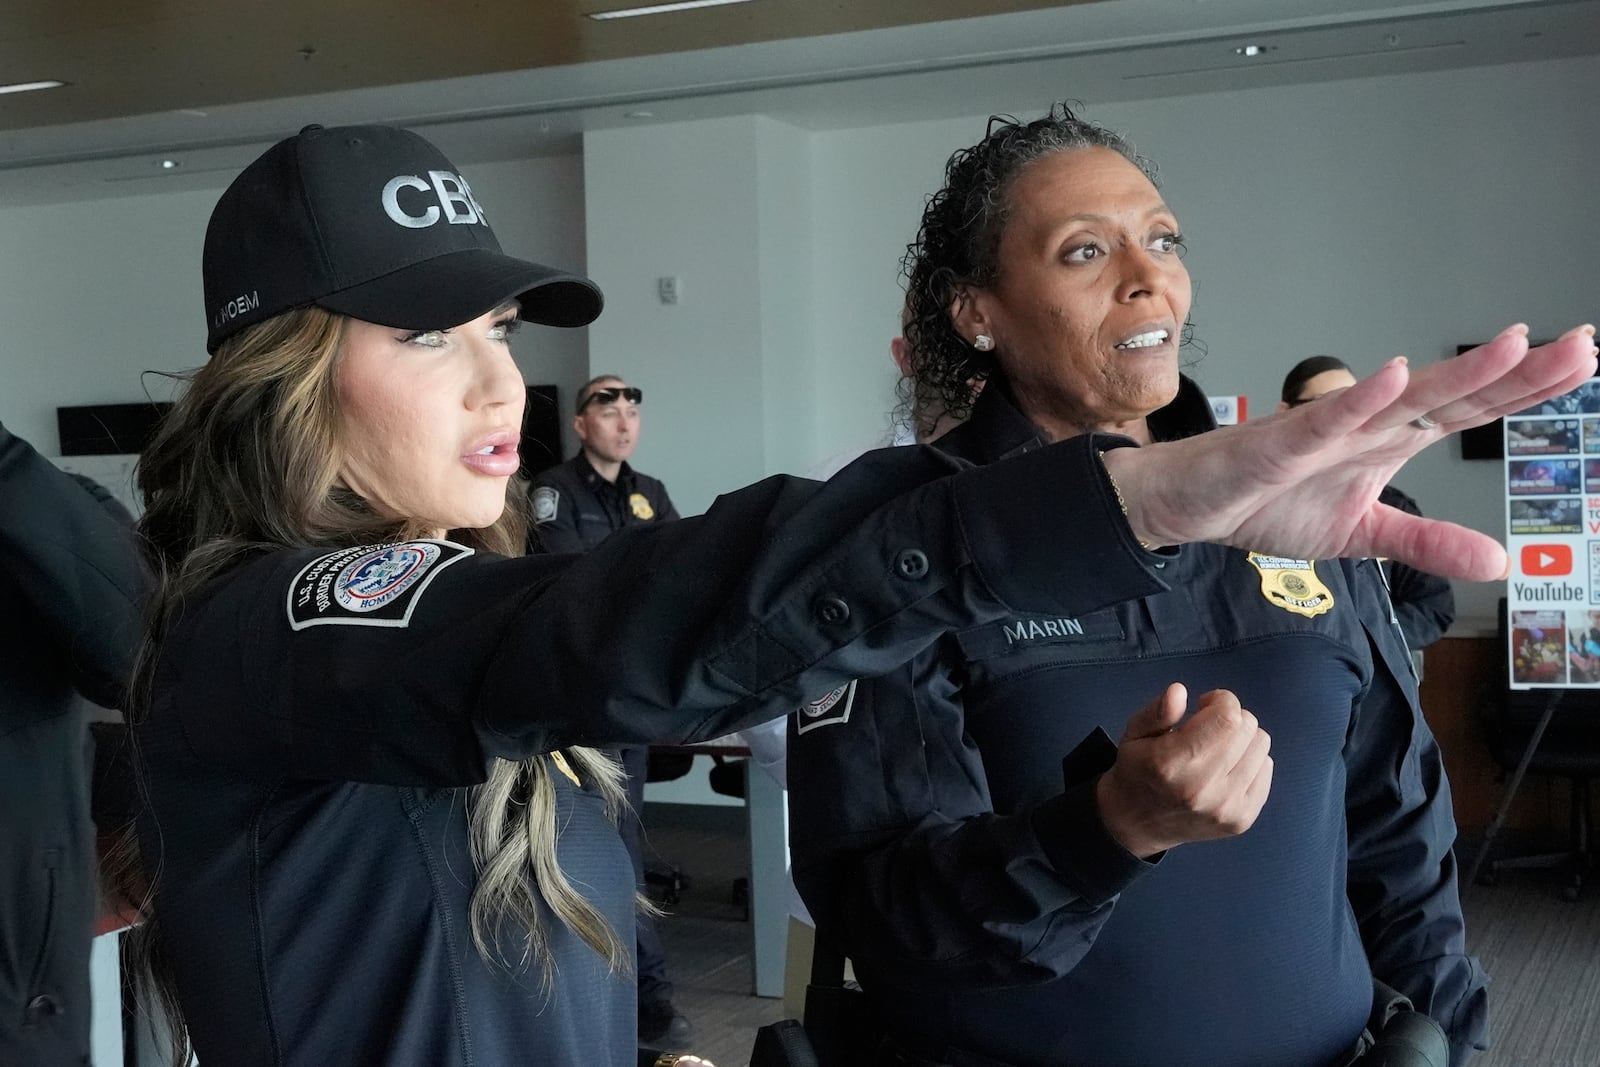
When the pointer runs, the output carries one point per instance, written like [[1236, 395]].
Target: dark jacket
[[71, 590], [1423, 602], [938, 834], [318, 716], [575, 509]]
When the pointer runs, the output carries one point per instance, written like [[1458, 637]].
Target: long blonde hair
[[248, 460]]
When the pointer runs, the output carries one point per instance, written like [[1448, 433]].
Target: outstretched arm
[[1305, 482]]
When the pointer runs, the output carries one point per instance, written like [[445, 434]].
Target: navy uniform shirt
[[575, 509], [990, 914], [318, 713]]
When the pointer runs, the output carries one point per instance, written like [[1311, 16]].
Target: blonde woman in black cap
[[377, 824]]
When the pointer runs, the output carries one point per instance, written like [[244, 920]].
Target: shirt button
[[831, 610], [41, 1008], [911, 564]]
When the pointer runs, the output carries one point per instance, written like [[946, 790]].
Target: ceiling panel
[[798, 72], [124, 59]]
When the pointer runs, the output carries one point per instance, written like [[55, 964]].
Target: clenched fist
[[1180, 779]]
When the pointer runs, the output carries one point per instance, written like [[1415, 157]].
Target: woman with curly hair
[[1232, 882]]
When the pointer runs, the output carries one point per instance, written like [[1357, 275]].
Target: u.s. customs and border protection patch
[[832, 709], [373, 585], [546, 501], [641, 507], [1292, 584]]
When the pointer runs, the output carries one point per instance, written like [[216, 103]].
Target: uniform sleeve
[[1402, 870], [897, 846], [76, 565], [555, 518], [1423, 602], [667, 632]]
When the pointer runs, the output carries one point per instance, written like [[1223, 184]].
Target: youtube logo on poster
[[1546, 561]]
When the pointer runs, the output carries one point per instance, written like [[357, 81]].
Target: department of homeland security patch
[[1292, 584], [374, 585], [830, 710], [546, 501]]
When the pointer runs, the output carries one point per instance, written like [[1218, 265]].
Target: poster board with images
[[1552, 480]]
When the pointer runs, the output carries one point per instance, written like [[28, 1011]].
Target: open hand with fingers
[[1178, 779], [1305, 482]]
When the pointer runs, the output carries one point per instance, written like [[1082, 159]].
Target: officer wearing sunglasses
[[579, 503], [576, 505]]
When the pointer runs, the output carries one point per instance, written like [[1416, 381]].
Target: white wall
[[1363, 219], [728, 371], [93, 294]]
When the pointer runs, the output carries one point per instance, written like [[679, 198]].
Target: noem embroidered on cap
[[373, 585]]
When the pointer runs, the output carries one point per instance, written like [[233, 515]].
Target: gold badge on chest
[[1292, 584], [641, 507]]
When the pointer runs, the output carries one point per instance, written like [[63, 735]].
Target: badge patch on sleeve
[[830, 710], [546, 500], [374, 585], [1293, 585]]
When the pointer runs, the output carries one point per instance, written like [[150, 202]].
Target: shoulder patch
[[373, 585], [546, 501], [830, 710]]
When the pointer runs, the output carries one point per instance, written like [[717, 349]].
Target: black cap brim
[[457, 287]]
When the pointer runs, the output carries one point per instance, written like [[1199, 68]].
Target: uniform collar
[[997, 428], [591, 477]]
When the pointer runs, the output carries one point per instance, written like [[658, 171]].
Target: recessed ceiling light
[[28, 87], [169, 164], [659, 9], [1254, 49]]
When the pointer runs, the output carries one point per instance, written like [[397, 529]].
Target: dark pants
[[654, 988]]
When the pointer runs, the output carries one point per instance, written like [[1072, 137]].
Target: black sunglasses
[[610, 396]]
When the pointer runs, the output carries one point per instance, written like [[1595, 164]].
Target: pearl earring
[[983, 342]]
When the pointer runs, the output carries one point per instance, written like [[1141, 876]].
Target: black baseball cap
[[372, 222]]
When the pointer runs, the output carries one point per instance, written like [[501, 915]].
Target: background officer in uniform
[[1422, 602], [576, 505]]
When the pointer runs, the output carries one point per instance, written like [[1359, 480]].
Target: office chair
[[1570, 749]]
